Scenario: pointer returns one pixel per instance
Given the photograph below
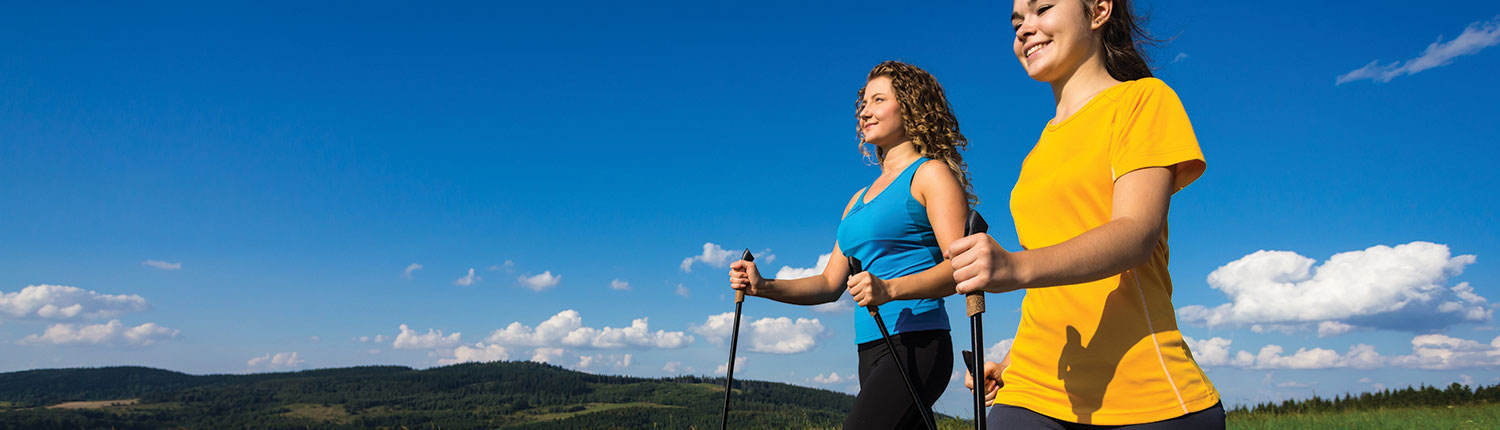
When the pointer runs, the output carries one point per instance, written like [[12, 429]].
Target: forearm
[[1105, 251], [935, 282], [812, 290]]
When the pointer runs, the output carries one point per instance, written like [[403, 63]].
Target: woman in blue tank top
[[896, 227]]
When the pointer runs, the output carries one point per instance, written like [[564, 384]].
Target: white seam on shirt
[[1156, 345]]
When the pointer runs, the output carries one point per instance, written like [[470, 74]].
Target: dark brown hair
[[926, 117], [1125, 38]]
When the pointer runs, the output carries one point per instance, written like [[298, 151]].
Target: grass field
[[1452, 417]]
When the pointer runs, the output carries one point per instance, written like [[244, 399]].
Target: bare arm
[[936, 188], [811, 290], [1139, 214]]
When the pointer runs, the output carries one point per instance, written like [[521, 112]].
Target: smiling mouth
[[1035, 48]]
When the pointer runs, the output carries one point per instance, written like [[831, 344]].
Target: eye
[[1043, 9]]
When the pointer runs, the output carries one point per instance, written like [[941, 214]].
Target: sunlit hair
[[927, 118], [1125, 40]]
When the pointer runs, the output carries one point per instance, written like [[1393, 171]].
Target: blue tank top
[[892, 237]]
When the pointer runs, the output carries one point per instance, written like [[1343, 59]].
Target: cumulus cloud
[[712, 255], [1178, 59], [468, 279], [540, 282], [1333, 328], [508, 266], [784, 336], [676, 367], [1400, 288], [619, 285], [1440, 352], [1210, 352], [1429, 352], [111, 333], [682, 291], [998, 350], [1476, 37], [410, 339], [770, 335], [60, 302], [601, 361], [567, 329], [410, 268], [478, 353], [281, 360], [546, 355], [739, 366], [832, 378], [789, 272], [162, 264]]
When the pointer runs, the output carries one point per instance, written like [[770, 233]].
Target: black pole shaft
[[921, 408], [976, 326], [854, 268], [734, 340]]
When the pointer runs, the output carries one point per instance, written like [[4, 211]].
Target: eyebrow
[[1016, 16]]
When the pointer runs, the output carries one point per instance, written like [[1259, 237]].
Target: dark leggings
[[1015, 417], [884, 402]]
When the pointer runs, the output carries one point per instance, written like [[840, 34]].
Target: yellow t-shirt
[[1105, 352]]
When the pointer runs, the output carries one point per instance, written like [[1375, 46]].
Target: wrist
[[1022, 270]]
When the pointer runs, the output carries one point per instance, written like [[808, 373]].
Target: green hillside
[[505, 395]]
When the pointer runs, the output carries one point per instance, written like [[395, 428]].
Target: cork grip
[[739, 295], [975, 225]]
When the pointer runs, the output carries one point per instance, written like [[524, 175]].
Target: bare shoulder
[[934, 174]]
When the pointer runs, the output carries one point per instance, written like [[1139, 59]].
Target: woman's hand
[[992, 382], [980, 264], [867, 290], [743, 275]]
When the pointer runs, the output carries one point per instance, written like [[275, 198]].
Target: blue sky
[[218, 189]]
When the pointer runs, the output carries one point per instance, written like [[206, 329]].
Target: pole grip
[[975, 303], [739, 295]]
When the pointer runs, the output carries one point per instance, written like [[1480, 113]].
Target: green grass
[[1451, 417], [597, 407]]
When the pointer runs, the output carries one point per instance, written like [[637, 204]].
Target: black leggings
[[884, 401], [1015, 417]]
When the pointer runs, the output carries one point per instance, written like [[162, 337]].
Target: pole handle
[[975, 303], [974, 225], [739, 295]]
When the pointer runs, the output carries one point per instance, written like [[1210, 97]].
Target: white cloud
[[1440, 352], [619, 285], [832, 378], [1476, 37], [1399, 288], [479, 353], [789, 272], [998, 350], [567, 329], [1333, 328], [1293, 384], [540, 282], [682, 291], [601, 361], [111, 333], [675, 367], [508, 266], [467, 280], [411, 268], [1178, 59], [1210, 352], [410, 339], [770, 335], [546, 355], [712, 255], [282, 360], [784, 336], [163, 265], [60, 302], [739, 366]]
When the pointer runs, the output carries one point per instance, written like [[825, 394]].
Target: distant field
[[94, 405], [1452, 417]]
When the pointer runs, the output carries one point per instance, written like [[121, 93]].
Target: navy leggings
[[884, 402]]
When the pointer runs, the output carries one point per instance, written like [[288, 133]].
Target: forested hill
[[519, 395]]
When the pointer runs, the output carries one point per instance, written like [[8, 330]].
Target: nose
[[1026, 29]]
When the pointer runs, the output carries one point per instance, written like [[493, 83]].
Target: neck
[[898, 157], [1074, 90]]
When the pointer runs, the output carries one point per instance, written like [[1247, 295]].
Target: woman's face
[[880, 114], [1053, 37]]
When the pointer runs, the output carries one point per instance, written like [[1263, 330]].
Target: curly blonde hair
[[927, 118]]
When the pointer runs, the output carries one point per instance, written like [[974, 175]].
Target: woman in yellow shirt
[[1098, 343]]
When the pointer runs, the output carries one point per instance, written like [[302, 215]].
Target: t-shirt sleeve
[[1152, 130]]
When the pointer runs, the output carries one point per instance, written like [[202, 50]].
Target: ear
[[1101, 11]]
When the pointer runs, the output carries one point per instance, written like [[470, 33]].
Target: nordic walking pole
[[854, 268], [734, 340], [975, 302]]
